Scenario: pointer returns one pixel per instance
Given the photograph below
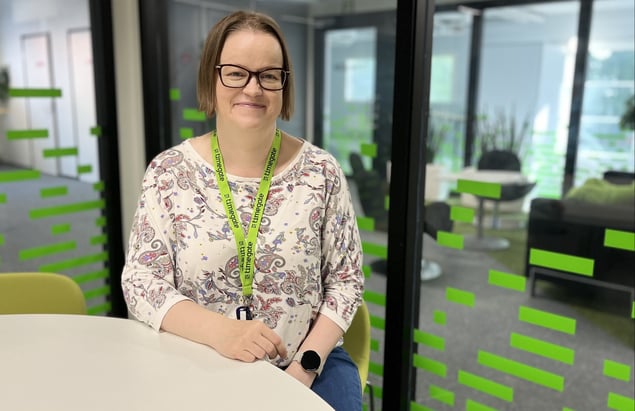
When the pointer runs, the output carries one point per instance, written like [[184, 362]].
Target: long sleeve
[[342, 277], [148, 278]]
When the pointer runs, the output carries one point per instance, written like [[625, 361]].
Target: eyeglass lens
[[235, 76]]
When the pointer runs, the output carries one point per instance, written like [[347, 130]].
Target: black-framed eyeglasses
[[233, 76]]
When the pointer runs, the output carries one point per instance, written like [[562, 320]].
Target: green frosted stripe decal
[[92, 276], [60, 229], [375, 298], [376, 369], [375, 249], [74, 262], [439, 317], [459, 296], [633, 310], [186, 132], [450, 240], [98, 239], [387, 203], [99, 186], [366, 223], [463, 214], [66, 209], [11, 176], [175, 94], [1, 239], [27, 134], [84, 169], [100, 309], [3, 198], [97, 292], [619, 239], [192, 114], [59, 152], [430, 340], [377, 322], [441, 395], [620, 402], [100, 222], [367, 270], [567, 409], [486, 386], [471, 405], [428, 364], [374, 345], [617, 370], [53, 191], [523, 371], [96, 131], [507, 280], [35, 92], [417, 407], [37, 252], [562, 262], [547, 320], [542, 348], [369, 150], [479, 188]]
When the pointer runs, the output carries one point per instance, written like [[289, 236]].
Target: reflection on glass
[[349, 91], [604, 145]]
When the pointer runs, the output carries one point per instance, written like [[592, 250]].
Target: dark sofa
[[576, 226]]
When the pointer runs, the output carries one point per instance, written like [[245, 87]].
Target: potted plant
[[627, 121], [437, 133], [502, 132]]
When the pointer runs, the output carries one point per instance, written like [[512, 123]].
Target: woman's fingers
[[250, 340]]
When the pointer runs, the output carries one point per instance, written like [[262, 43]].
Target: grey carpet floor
[[603, 331]]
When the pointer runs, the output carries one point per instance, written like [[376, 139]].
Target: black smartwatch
[[310, 361]]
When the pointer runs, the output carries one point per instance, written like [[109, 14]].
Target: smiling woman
[[245, 238]]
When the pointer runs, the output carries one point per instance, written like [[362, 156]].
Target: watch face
[[310, 360]]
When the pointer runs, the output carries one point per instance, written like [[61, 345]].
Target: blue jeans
[[339, 384]]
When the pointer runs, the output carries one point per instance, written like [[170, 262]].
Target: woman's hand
[[247, 340], [237, 339]]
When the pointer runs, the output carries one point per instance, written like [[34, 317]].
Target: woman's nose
[[252, 86]]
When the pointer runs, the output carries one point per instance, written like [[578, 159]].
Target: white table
[[67, 362]]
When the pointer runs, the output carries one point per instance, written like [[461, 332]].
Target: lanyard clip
[[243, 309]]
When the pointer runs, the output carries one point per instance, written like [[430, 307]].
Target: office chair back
[[357, 342], [40, 293]]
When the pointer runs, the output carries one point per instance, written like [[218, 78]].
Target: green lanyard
[[246, 248]]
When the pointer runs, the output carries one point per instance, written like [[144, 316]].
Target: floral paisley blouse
[[308, 252]]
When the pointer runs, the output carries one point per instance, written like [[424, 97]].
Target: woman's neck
[[245, 151]]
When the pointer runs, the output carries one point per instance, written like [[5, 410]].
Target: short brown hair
[[207, 73]]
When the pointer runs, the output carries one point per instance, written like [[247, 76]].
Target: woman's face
[[250, 106]]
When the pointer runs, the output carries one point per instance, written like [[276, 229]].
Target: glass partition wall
[[543, 318], [58, 145], [525, 301]]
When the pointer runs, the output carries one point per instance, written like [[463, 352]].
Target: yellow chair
[[40, 293], [357, 345]]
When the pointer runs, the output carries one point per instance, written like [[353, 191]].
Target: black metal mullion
[[106, 112], [155, 73], [472, 91], [577, 93], [405, 238]]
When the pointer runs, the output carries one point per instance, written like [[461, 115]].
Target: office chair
[[40, 293], [506, 161], [357, 345]]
